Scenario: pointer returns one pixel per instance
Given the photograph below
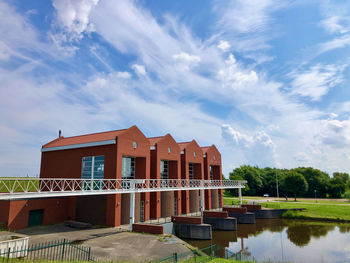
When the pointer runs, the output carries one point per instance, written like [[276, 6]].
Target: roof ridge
[[91, 134], [155, 137]]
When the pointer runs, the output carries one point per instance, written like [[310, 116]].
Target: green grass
[[323, 201], [232, 201], [222, 260], [314, 211]]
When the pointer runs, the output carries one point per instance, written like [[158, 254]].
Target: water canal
[[284, 240]]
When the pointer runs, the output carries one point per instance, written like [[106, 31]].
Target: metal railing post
[[64, 244], [8, 254]]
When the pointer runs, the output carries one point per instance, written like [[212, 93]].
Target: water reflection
[[286, 240]]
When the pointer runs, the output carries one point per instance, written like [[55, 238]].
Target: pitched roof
[[154, 140], [87, 138], [183, 145], [205, 149]]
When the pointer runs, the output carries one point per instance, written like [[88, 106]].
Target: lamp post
[[315, 195], [278, 194]]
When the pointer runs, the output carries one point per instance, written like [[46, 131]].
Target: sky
[[266, 81]]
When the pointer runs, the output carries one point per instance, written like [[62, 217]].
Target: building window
[[214, 157], [169, 149], [211, 173], [134, 145], [194, 154], [128, 168], [190, 171], [164, 169], [92, 169]]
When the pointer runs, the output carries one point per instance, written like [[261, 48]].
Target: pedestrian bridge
[[26, 188]]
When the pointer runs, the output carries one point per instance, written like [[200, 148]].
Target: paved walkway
[[111, 243]]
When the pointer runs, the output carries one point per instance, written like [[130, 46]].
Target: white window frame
[[132, 161], [91, 183]]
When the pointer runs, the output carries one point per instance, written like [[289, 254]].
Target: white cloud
[[336, 16], [339, 42], [246, 23], [302, 158], [223, 45], [234, 76], [336, 24], [123, 75], [316, 82], [258, 149], [335, 133], [4, 52], [186, 60], [139, 69], [73, 16]]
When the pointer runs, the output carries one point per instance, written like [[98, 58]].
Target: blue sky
[[266, 81]]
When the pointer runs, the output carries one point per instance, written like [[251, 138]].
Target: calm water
[[285, 240]]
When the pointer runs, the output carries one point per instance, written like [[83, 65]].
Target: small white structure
[[13, 246]]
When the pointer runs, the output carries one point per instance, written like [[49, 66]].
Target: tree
[[316, 179], [295, 183], [251, 175], [336, 187]]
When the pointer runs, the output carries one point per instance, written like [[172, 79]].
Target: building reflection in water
[[286, 240]]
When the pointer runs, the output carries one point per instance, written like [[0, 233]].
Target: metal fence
[[57, 250], [198, 255]]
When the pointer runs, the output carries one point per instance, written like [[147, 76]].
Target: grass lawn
[[316, 211], [232, 201], [323, 201]]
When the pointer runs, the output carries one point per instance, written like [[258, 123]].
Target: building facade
[[122, 154]]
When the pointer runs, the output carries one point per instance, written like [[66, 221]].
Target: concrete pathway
[[111, 243]]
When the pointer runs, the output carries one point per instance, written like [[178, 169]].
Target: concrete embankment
[[191, 227]]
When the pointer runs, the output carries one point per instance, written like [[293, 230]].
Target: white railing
[[40, 187]]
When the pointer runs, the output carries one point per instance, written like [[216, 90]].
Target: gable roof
[[205, 149], [154, 140], [87, 138], [183, 145]]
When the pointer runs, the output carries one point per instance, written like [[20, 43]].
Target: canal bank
[[283, 240], [313, 211]]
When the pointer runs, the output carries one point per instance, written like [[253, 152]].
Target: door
[[35, 217]]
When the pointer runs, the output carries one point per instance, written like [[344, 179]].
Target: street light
[[315, 195], [278, 194]]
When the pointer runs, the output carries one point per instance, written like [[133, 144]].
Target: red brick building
[[120, 154], [191, 169]]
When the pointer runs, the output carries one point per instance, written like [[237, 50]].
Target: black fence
[[57, 250], [197, 256]]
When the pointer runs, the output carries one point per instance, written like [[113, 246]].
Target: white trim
[[80, 145]]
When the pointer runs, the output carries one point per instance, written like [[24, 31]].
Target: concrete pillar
[[214, 198], [194, 201], [132, 210], [167, 203], [240, 196], [202, 201]]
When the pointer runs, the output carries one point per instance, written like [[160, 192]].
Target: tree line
[[296, 182]]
